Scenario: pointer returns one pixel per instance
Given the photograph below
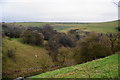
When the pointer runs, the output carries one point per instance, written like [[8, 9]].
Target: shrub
[[114, 41], [27, 37], [11, 53], [65, 56], [12, 31], [39, 29], [58, 41], [117, 43], [74, 34], [92, 47], [67, 41], [52, 47], [45, 61], [38, 38], [32, 37], [48, 31]]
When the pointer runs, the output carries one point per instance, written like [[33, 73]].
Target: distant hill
[[102, 27]]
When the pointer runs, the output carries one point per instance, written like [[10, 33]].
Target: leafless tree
[[116, 2]]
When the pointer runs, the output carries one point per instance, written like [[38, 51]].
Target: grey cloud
[[59, 10]]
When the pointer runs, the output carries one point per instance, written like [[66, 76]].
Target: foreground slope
[[101, 68]]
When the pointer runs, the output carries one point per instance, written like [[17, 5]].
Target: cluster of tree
[[37, 35], [12, 31], [46, 30], [30, 35], [70, 47], [92, 47], [57, 41]]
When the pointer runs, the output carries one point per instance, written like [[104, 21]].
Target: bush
[[117, 43], [58, 41], [114, 41], [32, 37], [48, 31], [11, 53], [92, 47], [12, 31], [52, 47], [74, 34], [27, 37], [45, 61], [38, 38], [67, 41], [39, 29], [65, 56]]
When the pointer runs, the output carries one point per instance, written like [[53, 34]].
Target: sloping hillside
[[101, 68], [26, 56]]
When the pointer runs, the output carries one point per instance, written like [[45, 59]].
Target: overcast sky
[[58, 10]]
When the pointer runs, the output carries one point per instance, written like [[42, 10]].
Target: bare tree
[[116, 2]]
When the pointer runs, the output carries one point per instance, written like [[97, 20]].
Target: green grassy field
[[103, 27], [24, 55], [101, 68], [96, 27]]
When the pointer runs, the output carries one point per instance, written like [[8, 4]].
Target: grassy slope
[[25, 55], [102, 68], [98, 27]]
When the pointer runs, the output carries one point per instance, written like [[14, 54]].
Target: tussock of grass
[[102, 68]]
